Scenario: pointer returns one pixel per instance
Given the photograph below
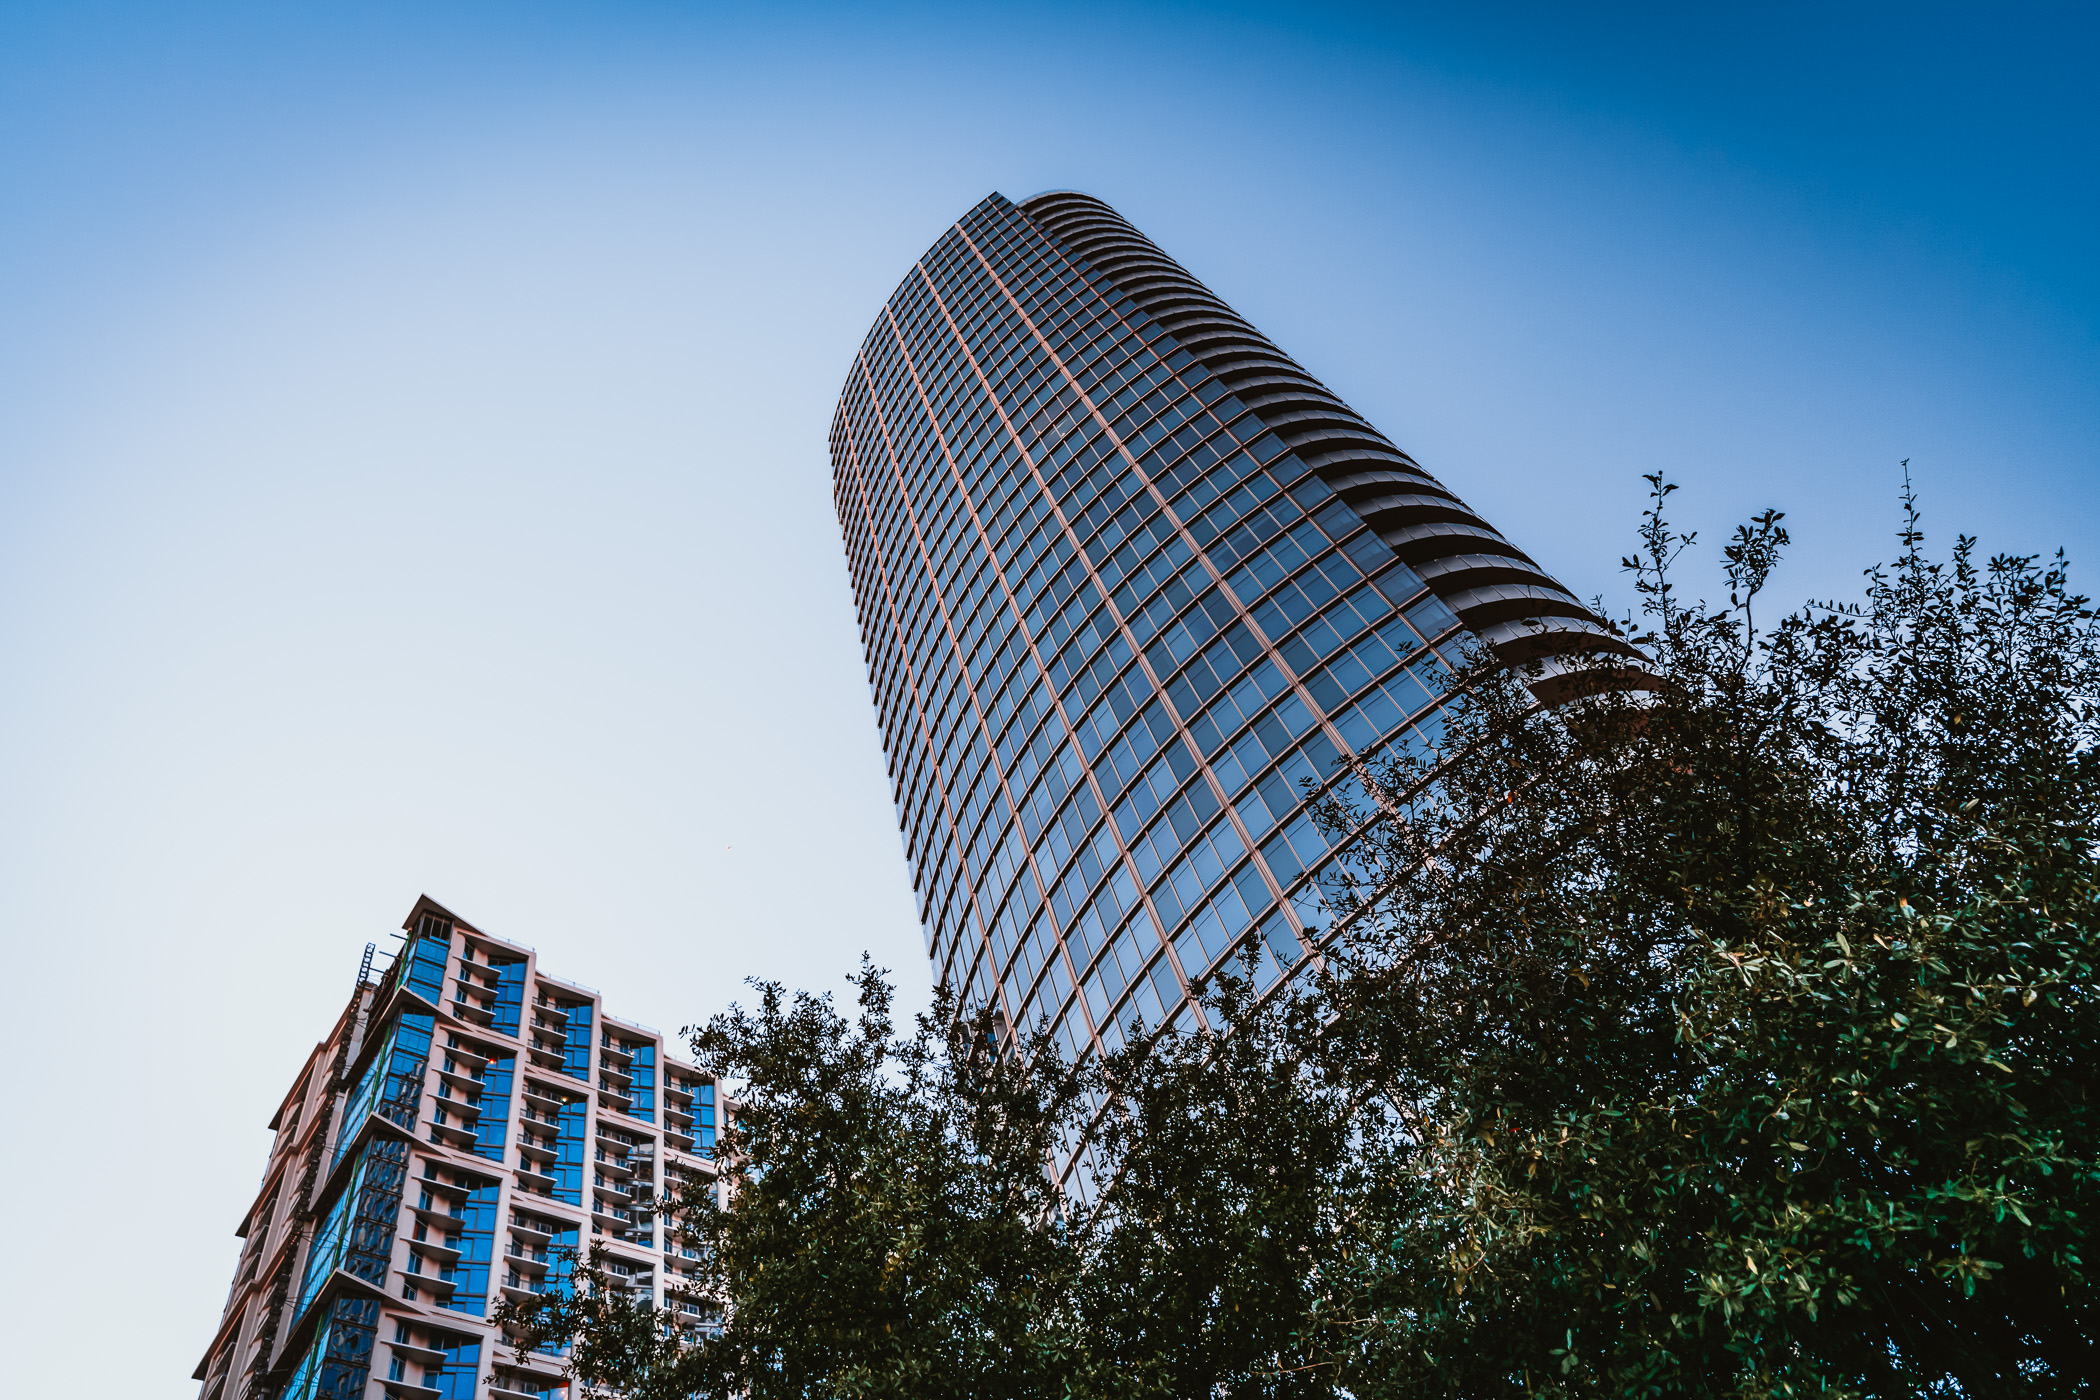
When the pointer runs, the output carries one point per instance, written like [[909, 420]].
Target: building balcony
[[687, 1313], [453, 1135], [441, 1215], [612, 1217], [437, 1283], [421, 1356], [526, 1260], [460, 1077], [526, 1230], [622, 1192], [539, 1183], [431, 1190], [473, 1011], [444, 1255], [521, 1289], [508, 1388], [468, 1109]]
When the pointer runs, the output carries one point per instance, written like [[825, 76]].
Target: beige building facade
[[467, 1124]]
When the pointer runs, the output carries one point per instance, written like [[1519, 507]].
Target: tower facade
[[1128, 578], [468, 1119]]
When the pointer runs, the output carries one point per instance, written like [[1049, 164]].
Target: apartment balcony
[[613, 1052], [462, 1055], [461, 1078], [467, 1109], [441, 1215], [421, 1356], [437, 1283], [522, 1289], [552, 1010], [612, 1217], [526, 1260], [687, 1313], [623, 1193], [474, 1011], [534, 1180], [444, 1254], [529, 1232], [431, 1189], [630, 1278], [615, 1165], [515, 1378], [412, 1390], [453, 1135], [508, 1388]]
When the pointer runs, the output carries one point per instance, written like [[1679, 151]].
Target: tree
[[891, 1230], [1724, 1031], [1742, 1022]]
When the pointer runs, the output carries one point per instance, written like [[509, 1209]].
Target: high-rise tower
[[1126, 576]]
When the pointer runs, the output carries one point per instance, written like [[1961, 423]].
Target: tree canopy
[[1726, 1030]]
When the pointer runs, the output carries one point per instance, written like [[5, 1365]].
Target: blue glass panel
[[641, 1095], [567, 1168], [425, 958], [476, 1243], [494, 1128], [392, 1083], [339, 1361], [510, 992], [358, 1222], [576, 1058]]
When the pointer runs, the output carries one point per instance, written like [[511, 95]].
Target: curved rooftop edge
[[1502, 595]]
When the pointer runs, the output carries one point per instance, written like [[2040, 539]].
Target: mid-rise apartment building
[[468, 1123]]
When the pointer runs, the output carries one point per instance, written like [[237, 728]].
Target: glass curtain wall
[[1116, 627]]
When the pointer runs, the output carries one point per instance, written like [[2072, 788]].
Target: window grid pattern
[[1113, 627]]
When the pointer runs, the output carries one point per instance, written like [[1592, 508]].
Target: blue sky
[[412, 425]]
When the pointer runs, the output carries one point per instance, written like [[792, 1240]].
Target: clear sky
[[413, 476]]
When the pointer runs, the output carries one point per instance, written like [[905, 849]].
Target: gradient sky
[[413, 477]]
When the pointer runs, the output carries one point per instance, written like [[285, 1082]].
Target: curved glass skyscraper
[[1127, 576]]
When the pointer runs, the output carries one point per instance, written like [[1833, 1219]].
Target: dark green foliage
[[1728, 1036], [894, 1233], [1237, 1159], [1746, 1023]]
